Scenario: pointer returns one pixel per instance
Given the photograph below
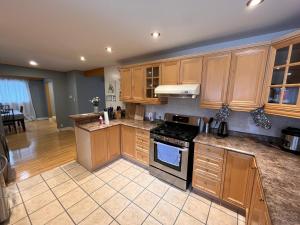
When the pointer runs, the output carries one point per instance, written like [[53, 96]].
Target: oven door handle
[[180, 149]]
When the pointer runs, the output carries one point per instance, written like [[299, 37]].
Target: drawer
[[215, 173], [143, 133], [210, 151], [207, 185], [209, 162], [142, 157]]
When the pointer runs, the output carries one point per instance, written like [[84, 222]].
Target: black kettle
[[223, 129]]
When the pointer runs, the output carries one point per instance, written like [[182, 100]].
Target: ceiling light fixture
[[108, 49], [82, 58], [155, 35], [253, 3], [33, 63]]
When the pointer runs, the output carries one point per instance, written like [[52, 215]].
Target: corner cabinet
[[283, 79], [246, 79], [128, 138]]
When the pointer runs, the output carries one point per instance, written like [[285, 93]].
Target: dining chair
[[8, 119]]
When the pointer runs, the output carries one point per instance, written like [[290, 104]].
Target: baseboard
[[66, 128], [42, 118]]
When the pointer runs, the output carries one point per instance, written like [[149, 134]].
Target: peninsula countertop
[[279, 171]]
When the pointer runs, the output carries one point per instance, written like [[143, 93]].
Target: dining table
[[19, 118]]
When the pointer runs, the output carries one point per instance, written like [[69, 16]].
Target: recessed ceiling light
[[253, 3], [33, 63], [82, 58], [155, 35], [108, 49]]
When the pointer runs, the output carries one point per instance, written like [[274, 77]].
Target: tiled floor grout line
[[23, 202], [180, 210]]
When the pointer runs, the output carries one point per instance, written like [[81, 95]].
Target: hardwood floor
[[40, 148]]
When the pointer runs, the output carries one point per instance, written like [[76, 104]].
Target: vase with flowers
[[95, 102]]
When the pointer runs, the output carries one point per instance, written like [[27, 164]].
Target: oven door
[[170, 158]]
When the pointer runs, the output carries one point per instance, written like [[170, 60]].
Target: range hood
[[178, 91]]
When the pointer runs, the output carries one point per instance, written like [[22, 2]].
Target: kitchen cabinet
[[190, 70], [170, 72], [214, 80], [246, 78], [153, 77], [126, 82], [258, 211], [99, 147], [114, 142], [282, 85], [142, 146], [128, 138], [138, 83], [238, 179]]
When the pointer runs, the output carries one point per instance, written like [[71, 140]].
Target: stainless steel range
[[172, 149]]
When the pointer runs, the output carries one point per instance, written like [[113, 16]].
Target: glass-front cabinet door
[[152, 80], [283, 83]]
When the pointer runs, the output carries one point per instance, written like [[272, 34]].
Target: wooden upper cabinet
[[99, 147], [126, 82], [170, 72], [128, 141], [214, 80], [246, 78], [238, 179], [138, 83], [190, 70], [114, 142]]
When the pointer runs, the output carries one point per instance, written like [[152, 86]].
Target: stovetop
[[177, 131]]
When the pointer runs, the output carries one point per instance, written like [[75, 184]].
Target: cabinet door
[[238, 179], [170, 72], [190, 70], [246, 79], [214, 80], [126, 84], [128, 141], [114, 142], [138, 83], [99, 147], [258, 212]]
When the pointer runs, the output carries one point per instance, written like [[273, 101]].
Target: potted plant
[[95, 102]]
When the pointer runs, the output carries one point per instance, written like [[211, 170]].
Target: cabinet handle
[[261, 200]]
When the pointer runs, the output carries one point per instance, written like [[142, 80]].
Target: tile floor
[[120, 193]]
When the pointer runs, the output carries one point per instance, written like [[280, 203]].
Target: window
[[14, 91]]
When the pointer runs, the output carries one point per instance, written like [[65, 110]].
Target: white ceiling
[[56, 33]]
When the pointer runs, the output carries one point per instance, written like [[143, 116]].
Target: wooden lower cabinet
[[238, 179], [114, 142], [128, 138], [258, 211], [99, 147]]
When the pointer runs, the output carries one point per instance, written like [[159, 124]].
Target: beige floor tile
[[92, 185], [103, 194], [131, 190], [114, 223], [57, 180], [158, 187], [225, 210], [70, 165], [11, 189], [132, 215], [64, 188], [241, 218], [17, 213], [30, 182], [108, 175], [218, 217], [101, 170], [62, 219], [199, 197], [14, 199], [147, 200], [120, 167], [196, 208], [176, 197], [72, 197], [151, 221], [165, 213], [131, 173], [119, 182], [46, 213], [116, 204], [52, 173], [82, 209], [144, 179], [39, 201], [34, 191], [139, 168], [76, 171], [24, 221], [185, 219], [240, 222], [84, 177], [97, 217]]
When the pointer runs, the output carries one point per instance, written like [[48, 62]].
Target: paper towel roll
[[106, 120]]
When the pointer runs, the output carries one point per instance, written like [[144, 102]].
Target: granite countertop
[[83, 116], [93, 126], [279, 172]]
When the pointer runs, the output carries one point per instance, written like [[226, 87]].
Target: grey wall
[[38, 96]]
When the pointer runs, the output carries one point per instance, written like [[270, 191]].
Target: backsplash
[[238, 121]]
